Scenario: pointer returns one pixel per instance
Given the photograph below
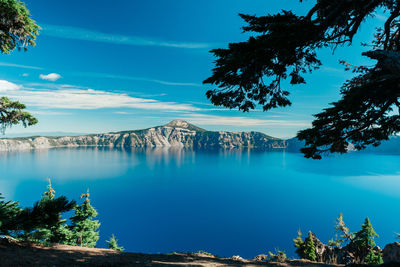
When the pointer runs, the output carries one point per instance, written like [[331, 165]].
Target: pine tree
[[55, 232], [309, 247], [113, 244], [8, 213], [40, 223], [83, 227], [299, 244], [342, 234], [305, 249], [373, 258], [364, 242]]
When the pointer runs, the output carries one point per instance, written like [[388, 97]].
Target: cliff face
[[173, 134]]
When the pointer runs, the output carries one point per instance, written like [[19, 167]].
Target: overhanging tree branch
[[284, 46]]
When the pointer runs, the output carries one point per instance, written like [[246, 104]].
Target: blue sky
[[102, 66]]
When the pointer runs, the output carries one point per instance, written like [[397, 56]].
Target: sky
[[101, 66]]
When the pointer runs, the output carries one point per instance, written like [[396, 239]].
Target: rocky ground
[[14, 253]]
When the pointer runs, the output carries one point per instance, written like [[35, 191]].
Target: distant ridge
[[30, 134], [177, 133]]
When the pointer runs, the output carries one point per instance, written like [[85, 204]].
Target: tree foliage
[[342, 234], [9, 211], [17, 31], [374, 258], [17, 28], [55, 230], [359, 247], [11, 113], [283, 47], [309, 247], [29, 223], [43, 223], [113, 244], [83, 227], [364, 243], [305, 249], [299, 244]]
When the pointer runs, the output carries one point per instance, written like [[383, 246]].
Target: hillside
[[174, 134], [15, 253]]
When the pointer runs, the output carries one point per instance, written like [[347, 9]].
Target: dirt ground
[[14, 253]]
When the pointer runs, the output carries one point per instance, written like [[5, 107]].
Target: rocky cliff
[[174, 134]]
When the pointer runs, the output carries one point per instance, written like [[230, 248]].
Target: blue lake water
[[224, 202]]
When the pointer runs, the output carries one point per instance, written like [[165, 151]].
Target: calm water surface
[[227, 203]]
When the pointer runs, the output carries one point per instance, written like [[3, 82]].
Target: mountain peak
[[185, 125]]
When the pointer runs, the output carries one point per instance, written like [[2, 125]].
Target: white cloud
[[8, 86], [95, 36], [78, 98], [50, 77], [203, 119]]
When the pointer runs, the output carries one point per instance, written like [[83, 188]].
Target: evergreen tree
[[305, 249], [342, 231], [113, 244], [309, 247], [373, 258], [38, 223], [364, 242], [299, 244], [8, 213], [83, 227], [57, 231]]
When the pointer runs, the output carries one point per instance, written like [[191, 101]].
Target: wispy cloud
[[96, 36], [8, 86], [124, 77], [50, 77], [206, 119], [5, 64], [49, 112], [78, 98]]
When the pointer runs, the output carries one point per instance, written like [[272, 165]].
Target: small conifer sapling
[[113, 244], [84, 228]]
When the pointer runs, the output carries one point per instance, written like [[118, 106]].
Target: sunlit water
[[227, 203]]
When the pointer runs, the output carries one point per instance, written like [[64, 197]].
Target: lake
[[224, 202]]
